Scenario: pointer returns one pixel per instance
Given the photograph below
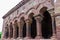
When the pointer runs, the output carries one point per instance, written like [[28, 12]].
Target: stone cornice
[[15, 8]]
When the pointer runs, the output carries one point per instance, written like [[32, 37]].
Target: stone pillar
[[20, 29], [38, 23], [28, 25], [9, 31], [14, 31], [53, 28], [6, 35]]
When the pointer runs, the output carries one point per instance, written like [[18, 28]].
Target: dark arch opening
[[24, 30], [17, 31], [33, 28], [46, 25]]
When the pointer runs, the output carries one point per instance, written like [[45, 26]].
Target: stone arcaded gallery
[[30, 19]]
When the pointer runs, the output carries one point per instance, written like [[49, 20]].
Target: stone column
[[14, 31], [28, 25], [20, 29], [38, 23], [9, 31], [6, 35], [53, 27]]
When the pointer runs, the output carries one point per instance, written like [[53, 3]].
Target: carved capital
[[39, 18], [13, 25], [28, 21]]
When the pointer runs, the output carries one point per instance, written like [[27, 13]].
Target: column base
[[11, 39], [20, 38], [27, 37], [8, 38], [54, 37], [14, 39], [38, 37]]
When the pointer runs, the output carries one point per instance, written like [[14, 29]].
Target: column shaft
[[6, 32], [14, 31], [39, 33], [9, 32], [20, 29], [28, 25], [53, 27]]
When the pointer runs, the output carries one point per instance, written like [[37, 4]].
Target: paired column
[[38, 21], [9, 31], [28, 26], [14, 31], [20, 29], [53, 27], [6, 35]]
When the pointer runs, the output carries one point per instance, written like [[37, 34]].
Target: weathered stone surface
[[23, 13]]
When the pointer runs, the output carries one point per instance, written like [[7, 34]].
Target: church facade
[[31, 20]]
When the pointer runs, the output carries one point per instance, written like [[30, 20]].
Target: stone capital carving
[[38, 18], [28, 21], [20, 23]]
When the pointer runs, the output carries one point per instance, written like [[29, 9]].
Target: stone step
[[30, 39], [37, 39]]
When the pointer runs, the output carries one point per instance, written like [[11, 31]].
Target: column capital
[[28, 21], [13, 23], [38, 18], [19, 23]]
